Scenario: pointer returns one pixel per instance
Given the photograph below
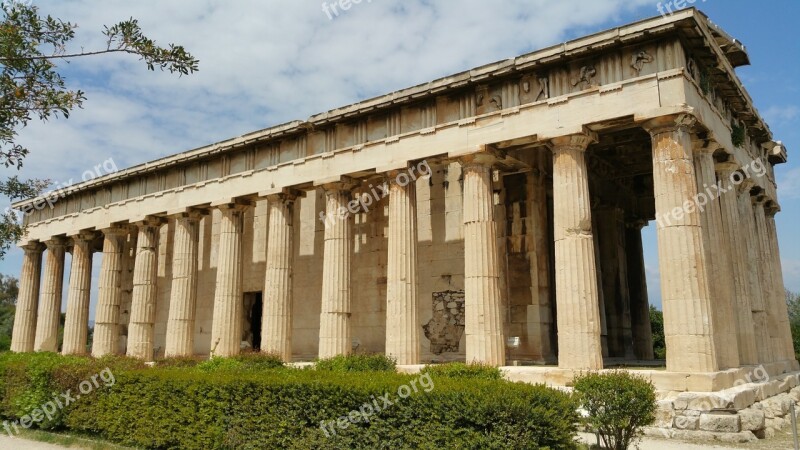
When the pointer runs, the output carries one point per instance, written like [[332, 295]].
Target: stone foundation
[[740, 405], [743, 413]]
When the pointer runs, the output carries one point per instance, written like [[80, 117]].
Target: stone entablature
[[637, 56]]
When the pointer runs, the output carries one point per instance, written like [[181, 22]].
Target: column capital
[[578, 141], [117, 231], [235, 204], [670, 123], [56, 242], [636, 224], [486, 157], [188, 213], [746, 185], [149, 221], [33, 247], [287, 196], [727, 167], [86, 236], [337, 184]]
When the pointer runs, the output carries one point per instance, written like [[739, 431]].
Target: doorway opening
[[253, 310]]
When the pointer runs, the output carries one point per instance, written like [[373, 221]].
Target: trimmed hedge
[[186, 408], [357, 363], [462, 370]]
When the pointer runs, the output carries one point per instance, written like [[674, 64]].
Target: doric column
[[540, 313], [143, 304], [768, 284], [106, 329], [50, 303], [637, 285], [183, 299], [720, 269], [24, 332], [76, 327], [686, 294], [577, 290], [334, 321], [276, 326], [483, 303], [752, 256], [402, 316], [786, 345], [733, 233], [226, 332]]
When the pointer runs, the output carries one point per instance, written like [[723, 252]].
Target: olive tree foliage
[[31, 88]]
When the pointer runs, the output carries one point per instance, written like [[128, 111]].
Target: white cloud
[[267, 62], [781, 114]]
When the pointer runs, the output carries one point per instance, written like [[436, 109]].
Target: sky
[[267, 62]]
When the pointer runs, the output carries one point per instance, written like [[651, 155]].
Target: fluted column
[[718, 258], [50, 303], [786, 344], [577, 291], [76, 326], [483, 302], [24, 332], [752, 257], [143, 304], [334, 321], [402, 316], [226, 332], [183, 299], [637, 285], [733, 234], [686, 294], [768, 282], [106, 329], [276, 326]]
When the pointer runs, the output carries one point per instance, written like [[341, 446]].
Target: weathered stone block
[[686, 423], [752, 419], [723, 423], [776, 423]]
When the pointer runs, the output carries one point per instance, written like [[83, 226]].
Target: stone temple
[[493, 216]]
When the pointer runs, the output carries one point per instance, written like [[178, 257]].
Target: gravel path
[[9, 443]]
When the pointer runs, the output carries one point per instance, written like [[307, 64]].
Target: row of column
[[722, 291], [715, 324]]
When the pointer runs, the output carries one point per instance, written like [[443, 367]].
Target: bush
[[260, 361], [357, 363], [230, 408], [461, 370], [618, 404]]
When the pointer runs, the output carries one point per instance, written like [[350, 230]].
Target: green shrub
[[180, 362], [357, 363], [618, 404], [461, 370], [193, 409], [260, 361], [220, 365]]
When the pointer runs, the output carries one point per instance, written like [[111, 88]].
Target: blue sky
[[267, 62]]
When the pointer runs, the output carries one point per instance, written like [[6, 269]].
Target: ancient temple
[[494, 216]]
